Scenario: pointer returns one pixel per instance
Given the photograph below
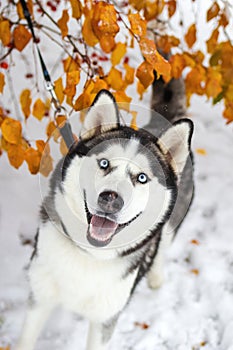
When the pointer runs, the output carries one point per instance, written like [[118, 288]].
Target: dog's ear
[[103, 115], [175, 144]]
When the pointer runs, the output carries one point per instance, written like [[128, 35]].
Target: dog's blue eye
[[104, 163], [142, 178]]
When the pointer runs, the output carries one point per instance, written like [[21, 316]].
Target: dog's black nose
[[110, 202]]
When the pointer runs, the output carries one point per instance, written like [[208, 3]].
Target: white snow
[[191, 311]]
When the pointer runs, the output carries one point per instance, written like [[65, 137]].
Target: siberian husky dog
[[105, 221]]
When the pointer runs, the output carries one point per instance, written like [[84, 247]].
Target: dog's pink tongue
[[102, 228]]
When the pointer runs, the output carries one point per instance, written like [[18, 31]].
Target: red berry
[[29, 75], [4, 65], [94, 54], [126, 60], [37, 40], [53, 8]]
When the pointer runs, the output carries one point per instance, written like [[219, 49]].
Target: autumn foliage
[[97, 40]]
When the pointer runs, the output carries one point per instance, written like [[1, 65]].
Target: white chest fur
[[64, 274]]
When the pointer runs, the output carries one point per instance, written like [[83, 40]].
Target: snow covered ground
[[192, 310]]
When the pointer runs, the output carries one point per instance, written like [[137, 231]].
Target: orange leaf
[[63, 147], [16, 155], [212, 41], [118, 53], [58, 87], [191, 35], [140, 90], [228, 112], [2, 82], [104, 24], [62, 23], [25, 102], [213, 11], [195, 242], [149, 51], [224, 20], [39, 109], [72, 79], [195, 271], [133, 123], [145, 74], [153, 8], [138, 24], [141, 325], [166, 42], [21, 37], [76, 8], [20, 9], [194, 82], [70, 64], [11, 130], [33, 158], [52, 131], [114, 79], [177, 65], [5, 32], [87, 30], [171, 8], [201, 151]]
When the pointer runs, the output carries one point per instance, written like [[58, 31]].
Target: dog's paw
[[155, 280]]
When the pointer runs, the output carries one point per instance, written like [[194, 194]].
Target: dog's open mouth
[[101, 230]]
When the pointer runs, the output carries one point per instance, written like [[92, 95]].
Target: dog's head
[[115, 176]]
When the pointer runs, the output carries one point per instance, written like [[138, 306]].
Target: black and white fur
[[134, 192]]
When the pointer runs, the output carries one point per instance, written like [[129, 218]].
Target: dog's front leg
[[99, 335], [36, 317]]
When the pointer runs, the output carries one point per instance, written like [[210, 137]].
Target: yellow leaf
[[133, 123], [76, 8], [58, 87], [2, 82], [118, 53], [145, 74], [123, 99], [5, 32], [62, 23], [201, 151], [21, 37], [39, 109], [213, 82], [11, 130], [87, 30], [46, 163], [33, 158], [25, 102], [138, 24], [70, 64], [114, 79], [213, 11], [191, 36], [129, 74], [100, 84], [104, 24], [72, 79], [16, 155]]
